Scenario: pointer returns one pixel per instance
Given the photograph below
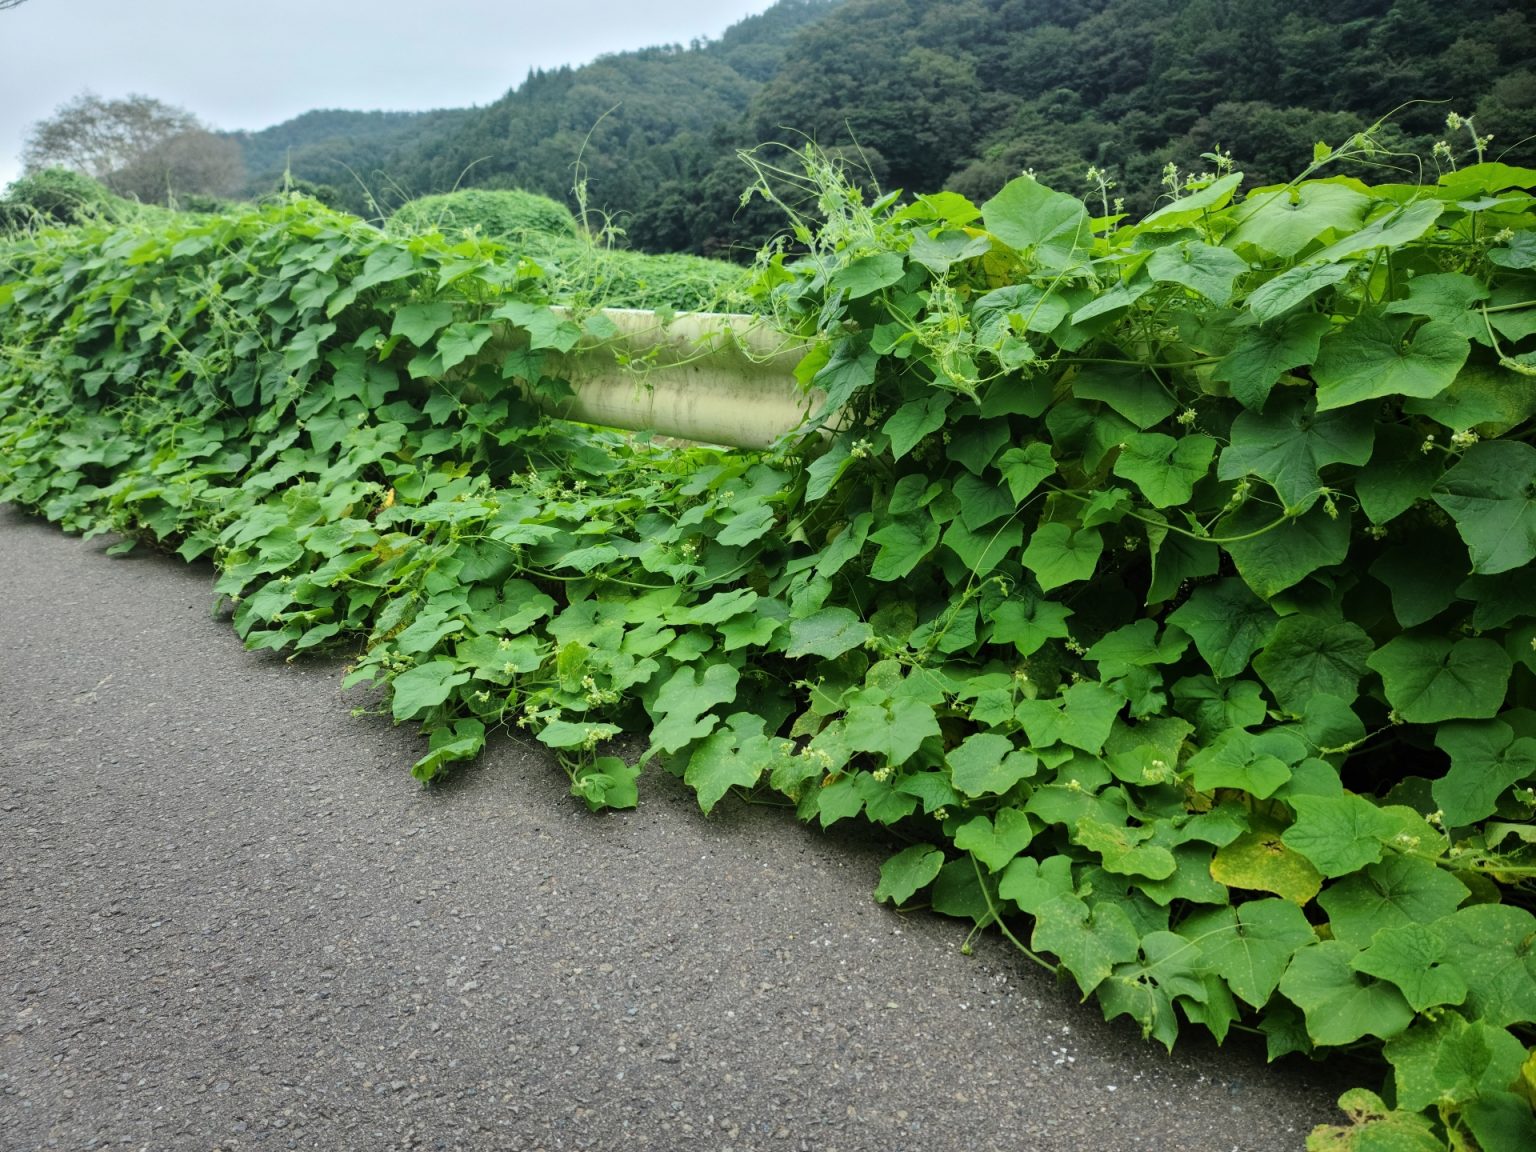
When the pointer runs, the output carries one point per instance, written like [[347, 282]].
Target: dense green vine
[[1166, 585]]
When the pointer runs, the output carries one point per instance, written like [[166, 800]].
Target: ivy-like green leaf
[[1341, 1005], [1398, 891], [419, 689], [1025, 467], [1089, 943], [1123, 849], [995, 840], [1399, 475], [1412, 957], [686, 696], [827, 632], [893, 730], [1288, 445], [1147, 989], [1028, 625], [904, 543], [1266, 352], [1257, 764], [1486, 759], [1283, 221], [914, 420], [1134, 393], [1082, 716], [1428, 678], [1059, 554], [1166, 470], [1502, 1121], [987, 763], [866, 275], [1451, 1061], [1276, 297], [1228, 624], [1208, 271], [1249, 946], [1375, 356], [1339, 834], [1491, 945], [733, 756], [911, 869], [1051, 226], [1272, 559], [461, 341], [1307, 655], [1491, 494], [418, 323]]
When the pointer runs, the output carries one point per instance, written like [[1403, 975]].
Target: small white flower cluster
[[597, 696]]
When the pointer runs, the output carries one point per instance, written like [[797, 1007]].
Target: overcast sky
[[251, 65]]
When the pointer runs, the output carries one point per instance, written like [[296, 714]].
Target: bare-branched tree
[[4, 4]]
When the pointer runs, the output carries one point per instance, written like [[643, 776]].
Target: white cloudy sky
[[252, 64]]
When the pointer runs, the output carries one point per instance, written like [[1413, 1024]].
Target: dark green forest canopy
[[962, 94]]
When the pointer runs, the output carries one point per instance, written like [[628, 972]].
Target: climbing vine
[[1165, 585]]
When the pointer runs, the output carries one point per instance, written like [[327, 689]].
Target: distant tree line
[[925, 94]]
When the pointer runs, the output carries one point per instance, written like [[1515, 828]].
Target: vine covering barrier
[[1166, 586]]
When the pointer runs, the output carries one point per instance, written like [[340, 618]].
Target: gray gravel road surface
[[230, 920]]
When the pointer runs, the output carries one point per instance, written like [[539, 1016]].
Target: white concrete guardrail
[[715, 378]]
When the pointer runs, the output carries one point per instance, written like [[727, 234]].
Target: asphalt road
[[229, 919]]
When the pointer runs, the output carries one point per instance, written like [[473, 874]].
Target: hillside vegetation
[[963, 94]]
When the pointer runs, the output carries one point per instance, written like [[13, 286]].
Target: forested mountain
[[925, 94]]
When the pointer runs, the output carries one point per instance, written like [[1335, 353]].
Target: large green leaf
[[1491, 494], [827, 632], [1272, 559], [1266, 352], [418, 323], [987, 763], [684, 699], [1257, 764], [1166, 470], [904, 542], [1027, 625], [1211, 272], [1398, 891], [1308, 655], [1374, 356], [909, 870], [1449, 1060], [1428, 678], [418, 689], [1411, 956], [1276, 297], [1341, 1005], [1283, 221], [1290, 443], [1422, 577], [1486, 759], [1491, 946], [1059, 554], [1251, 945], [1399, 225], [1051, 226], [732, 756], [1339, 834], [995, 840], [1399, 474], [1228, 624]]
